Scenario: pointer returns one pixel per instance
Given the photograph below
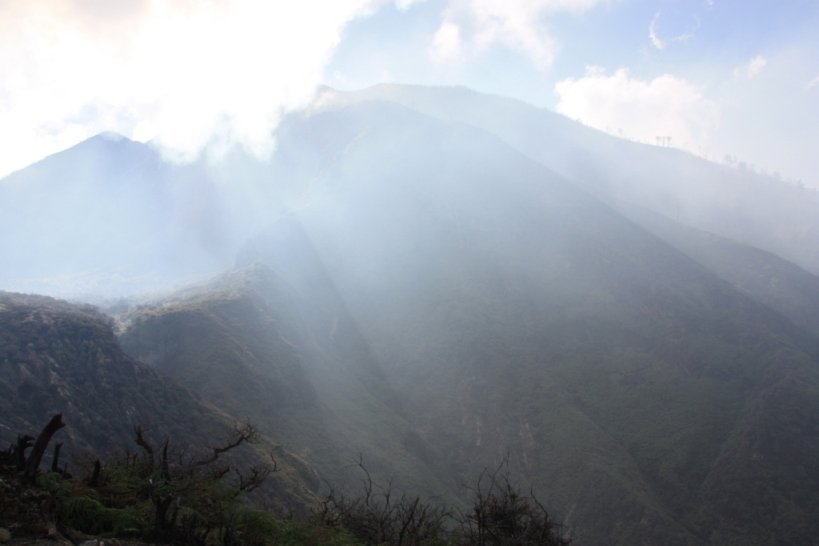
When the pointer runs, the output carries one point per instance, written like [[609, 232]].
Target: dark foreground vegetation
[[159, 495]]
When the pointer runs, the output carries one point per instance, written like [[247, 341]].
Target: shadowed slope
[[57, 357], [513, 311]]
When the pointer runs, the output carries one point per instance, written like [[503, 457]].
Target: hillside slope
[[513, 311], [776, 283], [289, 357], [57, 357]]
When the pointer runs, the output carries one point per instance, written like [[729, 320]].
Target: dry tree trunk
[[23, 443], [33, 462], [55, 461]]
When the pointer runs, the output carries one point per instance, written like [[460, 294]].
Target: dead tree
[[172, 486], [23, 443], [40, 445], [55, 460], [94, 480], [501, 515], [379, 516]]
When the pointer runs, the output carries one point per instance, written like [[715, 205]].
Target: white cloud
[[446, 46], [666, 106], [680, 34], [752, 68], [184, 72], [519, 25], [813, 83], [652, 32], [689, 33], [404, 5]]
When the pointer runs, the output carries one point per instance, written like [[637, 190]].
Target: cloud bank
[[185, 73], [643, 110]]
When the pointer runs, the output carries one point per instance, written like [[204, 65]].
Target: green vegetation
[[164, 497]]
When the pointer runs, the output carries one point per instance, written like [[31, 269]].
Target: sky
[[730, 80]]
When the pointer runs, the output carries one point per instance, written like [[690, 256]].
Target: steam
[[183, 73]]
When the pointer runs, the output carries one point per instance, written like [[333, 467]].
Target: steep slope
[[770, 280], [57, 357], [513, 311], [733, 202], [284, 352]]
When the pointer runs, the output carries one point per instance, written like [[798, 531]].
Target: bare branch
[[246, 433], [252, 480]]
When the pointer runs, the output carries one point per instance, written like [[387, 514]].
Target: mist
[[434, 276], [420, 282], [125, 218], [182, 75]]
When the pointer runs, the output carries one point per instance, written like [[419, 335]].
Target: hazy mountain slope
[[284, 352], [57, 357], [437, 298], [513, 311], [733, 202], [110, 217], [774, 282], [189, 337]]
